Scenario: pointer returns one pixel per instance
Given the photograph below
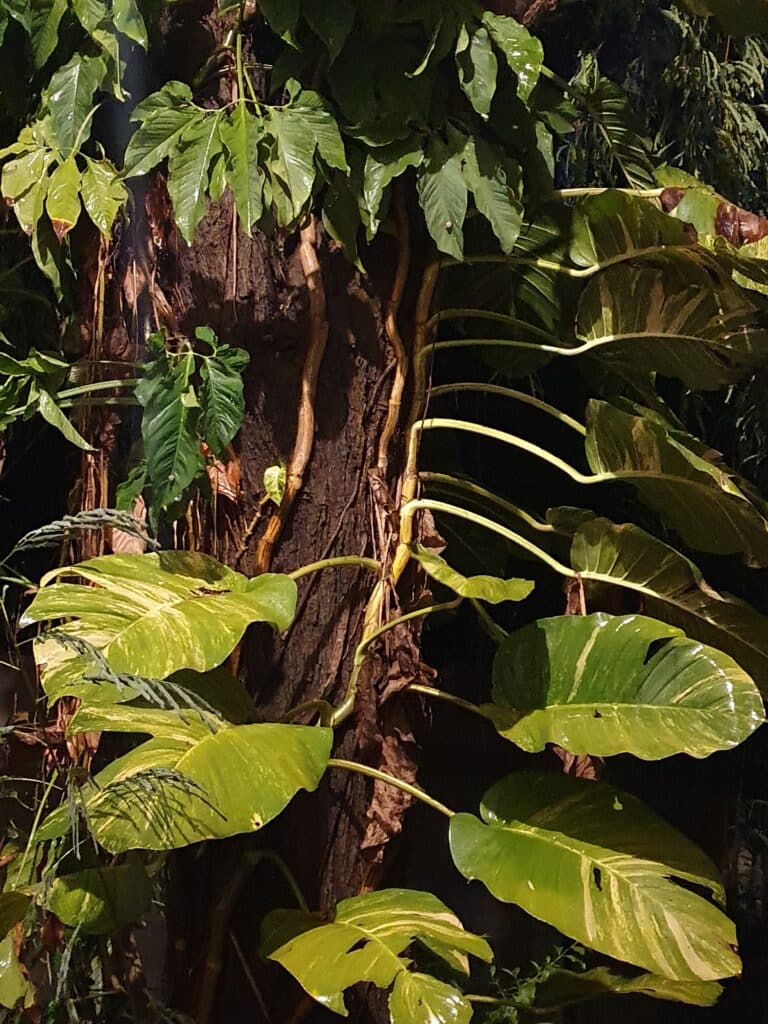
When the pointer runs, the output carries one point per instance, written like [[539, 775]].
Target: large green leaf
[[443, 197], [241, 133], [164, 117], [103, 194], [364, 942], [221, 396], [477, 67], [608, 105], [523, 52], [602, 869], [70, 98], [152, 615], [616, 225], [210, 785], [62, 201], [129, 21], [672, 588], [101, 901], [697, 497], [671, 321], [189, 166], [331, 22], [495, 184], [481, 588], [14, 986], [382, 165], [564, 988], [603, 685]]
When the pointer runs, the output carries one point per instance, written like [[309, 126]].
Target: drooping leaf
[[674, 322], [523, 52], [70, 98], [166, 794], [189, 165], [51, 413], [482, 588], [241, 133], [103, 194], [604, 685], [221, 396], [615, 225], [102, 900], [601, 868], [294, 162], [696, 496], [565, 988], [364, 942], [443, 197], [341, 216], [495, 184], [154, 614], [673, 589], [129, 21], [477, 67], [164, 117], [62, 201], [282, 15], [14, 986], [382, 165]]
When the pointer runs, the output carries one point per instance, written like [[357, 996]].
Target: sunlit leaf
[[102, 900], [483, 588]]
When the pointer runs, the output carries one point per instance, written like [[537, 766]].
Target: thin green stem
[[491, 626], [444, 315], [70, 403], [390, 780], [516, 442], [322, 706], [38, 817], [333, 563], [494, 527], [448, 698], [577, 193], [518, 396], [347, 706], [239, 56], [444, 480]]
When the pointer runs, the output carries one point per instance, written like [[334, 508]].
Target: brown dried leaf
[[123, 543]]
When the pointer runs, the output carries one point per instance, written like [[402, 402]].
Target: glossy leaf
[[598, 866], [616, 225], [62, 201], [166, 794], [101, 901], [477, 67], [365, 942], [164, 117], [189, 166], [103, 194], [495, 184], [482, 588], [70, 98], [51, 413], [221, 396], [604, 685], [46, 18], [155, 614], [14, 986], [566, 988], [443, 197], [697, 497], [382, 166], [523, 52], [241, 133], [129, 21]]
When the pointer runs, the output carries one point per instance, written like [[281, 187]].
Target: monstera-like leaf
[[152, 615], [671, 587], [695, 495], [602, 869], [199, 778], [603, 684], [674, 322], [364, 943]]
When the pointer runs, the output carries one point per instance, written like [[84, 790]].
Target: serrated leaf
[[152, 615], [523, 52], [604, 685], [597, 865], [241, 133], [221, 396], [129, 21], [103, 194], [70, 99], [364, 942], [495, 184], [189, 165], [62, 201], [443, 197], [477, 67], [482, 588]]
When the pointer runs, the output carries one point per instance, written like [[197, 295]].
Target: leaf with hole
[[597, 865]]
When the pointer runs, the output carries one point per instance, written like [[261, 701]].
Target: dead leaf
[[123, 543]]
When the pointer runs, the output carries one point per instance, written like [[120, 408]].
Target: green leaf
[[477, 67], [294, 163], [103, 194], [101, 901], [70, 99], [672, 588], [565, 988], [13, 984], [495, 184], [241, 133], [129, 21], [523, 52], [212, 786], [443, 197], [601, 868], [673, 321], [482, 588], [282, 15], [604, 685], [341, 217], [51, 413], [310, 109], [159, 134], [274, 483], [21, 176], [189, 166], [608, 105], [169, 428], [748, 17], [617, 225], [332, 22], [364, 942], [153, 615], [382, 165], [699, 498], [221, 396], [46, 18], [62, 201]]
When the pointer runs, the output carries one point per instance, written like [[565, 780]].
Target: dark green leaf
[[70, 98], [443, 197], [523, 52], [477, 66], [189, 165], [221, 396]]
